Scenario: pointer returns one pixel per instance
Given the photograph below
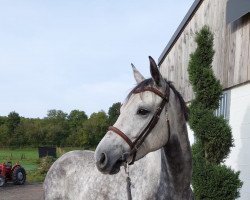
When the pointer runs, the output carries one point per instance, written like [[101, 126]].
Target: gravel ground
[[21, 192]]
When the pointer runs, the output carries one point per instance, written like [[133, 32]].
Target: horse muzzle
[[108, 163]]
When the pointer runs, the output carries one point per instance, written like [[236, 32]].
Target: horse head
[[142, 125]]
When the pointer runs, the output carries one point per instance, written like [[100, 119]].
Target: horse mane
[[149, 82], [184, 107]]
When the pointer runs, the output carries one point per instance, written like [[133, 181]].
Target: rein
[[135, 145]]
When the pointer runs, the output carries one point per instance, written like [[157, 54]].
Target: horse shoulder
[[74, 176], [68, 171]]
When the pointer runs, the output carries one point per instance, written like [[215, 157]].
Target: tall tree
[[4, 132], [76, 118], [77, 136], [57, 115], [13, 121], [4, 136], [95, 128], [29, 133], [212, 180], [113, 113], [56, 127]]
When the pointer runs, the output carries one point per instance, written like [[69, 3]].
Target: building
[[229, 20]]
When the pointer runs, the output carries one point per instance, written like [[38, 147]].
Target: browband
[[140, 139], [151, 89]]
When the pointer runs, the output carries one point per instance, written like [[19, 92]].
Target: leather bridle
[[135, 145]]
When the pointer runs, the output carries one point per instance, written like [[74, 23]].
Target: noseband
[[134, 145]]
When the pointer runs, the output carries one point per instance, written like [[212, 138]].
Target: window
[[224, 105]]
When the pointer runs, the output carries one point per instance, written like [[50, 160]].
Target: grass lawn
[[28, 158]]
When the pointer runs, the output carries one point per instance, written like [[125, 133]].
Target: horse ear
[[155, 73], [138, 77]]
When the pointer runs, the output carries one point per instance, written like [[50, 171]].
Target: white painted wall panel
[[239, 158], [190, 135], [239, 121]]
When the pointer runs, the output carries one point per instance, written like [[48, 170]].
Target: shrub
[[211, 179], [44, 164], [43, 167]]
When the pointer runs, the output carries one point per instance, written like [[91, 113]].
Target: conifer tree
[[212, 180]]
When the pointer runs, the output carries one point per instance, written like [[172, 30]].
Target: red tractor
[[15, 173]]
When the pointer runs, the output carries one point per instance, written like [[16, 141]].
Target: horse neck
[[177, 152]]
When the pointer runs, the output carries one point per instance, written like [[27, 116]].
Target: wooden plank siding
[[231, 62]]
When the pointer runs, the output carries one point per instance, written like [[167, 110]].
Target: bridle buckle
[[167, 119]]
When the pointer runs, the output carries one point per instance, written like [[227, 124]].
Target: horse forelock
[[141, 85], [150, 82]]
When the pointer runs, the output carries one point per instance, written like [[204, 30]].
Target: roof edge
[[180, 29], [237, 9]]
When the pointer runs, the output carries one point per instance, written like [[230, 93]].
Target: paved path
[[21, 192]]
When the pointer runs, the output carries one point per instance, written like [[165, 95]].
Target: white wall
[[239, 158], [190, 135], [239, 120]]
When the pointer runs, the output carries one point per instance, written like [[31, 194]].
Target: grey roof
[[179, 30], [235, 10]]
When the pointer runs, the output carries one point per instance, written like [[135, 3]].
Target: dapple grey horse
[[149, 138]]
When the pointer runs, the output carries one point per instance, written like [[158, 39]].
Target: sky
[[76, 54]]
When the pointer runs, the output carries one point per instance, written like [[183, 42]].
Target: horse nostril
[[102, 158], [103, 161]]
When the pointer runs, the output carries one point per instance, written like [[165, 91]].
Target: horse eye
[[142, 111]]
